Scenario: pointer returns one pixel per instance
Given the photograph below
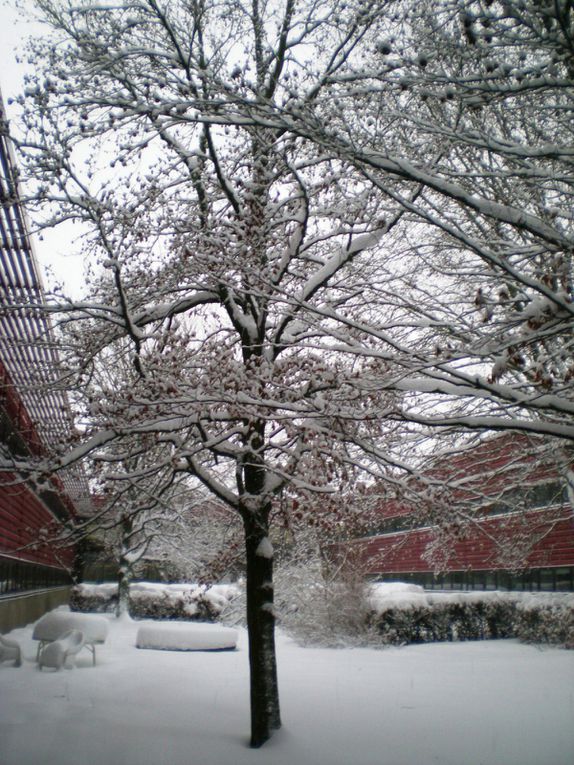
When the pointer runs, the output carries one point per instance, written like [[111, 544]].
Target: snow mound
[[176, 636], [532, 600], [386, 595]]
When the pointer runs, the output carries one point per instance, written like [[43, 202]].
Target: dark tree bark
[[264, 692], [125, 566], [79, 566]]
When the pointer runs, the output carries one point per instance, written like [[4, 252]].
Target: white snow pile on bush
[[385, 595], [395, 613], [93, 597], [149, 600]]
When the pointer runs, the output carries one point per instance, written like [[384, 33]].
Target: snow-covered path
[[489, 703]]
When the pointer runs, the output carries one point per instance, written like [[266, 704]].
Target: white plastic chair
[[56, 623], [60, 652], [10, 651]]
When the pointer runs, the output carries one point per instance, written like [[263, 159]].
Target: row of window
[[537, 497], [559, 579], [554, 493], [20, 576]]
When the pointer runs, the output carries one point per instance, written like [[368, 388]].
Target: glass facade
[[18, 576], [538, 579]]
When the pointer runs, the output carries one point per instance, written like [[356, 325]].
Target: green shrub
[[188, 606], [552, 624], [531, 618], [447, 621]]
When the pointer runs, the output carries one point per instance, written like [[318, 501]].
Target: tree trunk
[[79, 561], [124, 578], [124, 567], [265, 715]]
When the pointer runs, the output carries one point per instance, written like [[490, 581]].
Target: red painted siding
[[480, 550], [24, 521], [16, 412], [541, 538]]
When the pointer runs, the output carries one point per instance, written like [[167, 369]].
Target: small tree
[[322, 592], [131, 523]]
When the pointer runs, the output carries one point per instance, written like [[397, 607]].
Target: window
[[531, 497]]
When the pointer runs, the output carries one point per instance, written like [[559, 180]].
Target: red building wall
[[33, 547], [24, 522], [484, 548], [533, 546]]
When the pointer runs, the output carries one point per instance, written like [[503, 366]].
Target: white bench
[[185, 636], [55, 624]]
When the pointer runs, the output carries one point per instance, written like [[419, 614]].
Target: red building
[[33, 551], [35, 511], [503, 520]]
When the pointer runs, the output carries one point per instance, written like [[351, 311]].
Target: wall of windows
[[18, 576], [558, 579]]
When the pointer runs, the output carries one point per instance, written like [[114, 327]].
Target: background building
[[36, 548], [518, 531]]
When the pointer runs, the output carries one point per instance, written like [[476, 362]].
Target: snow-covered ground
[[489, 703]]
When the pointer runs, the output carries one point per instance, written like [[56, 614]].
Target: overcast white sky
[[55, 252], [12, 32]]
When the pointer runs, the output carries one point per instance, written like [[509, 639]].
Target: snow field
[[474, 703]]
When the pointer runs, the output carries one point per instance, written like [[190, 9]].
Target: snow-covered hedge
[[158, 601], [547, 619], [402, 613], [89, 598], [396, 613]]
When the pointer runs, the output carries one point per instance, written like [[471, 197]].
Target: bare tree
[[286, 229], [133, 518]]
